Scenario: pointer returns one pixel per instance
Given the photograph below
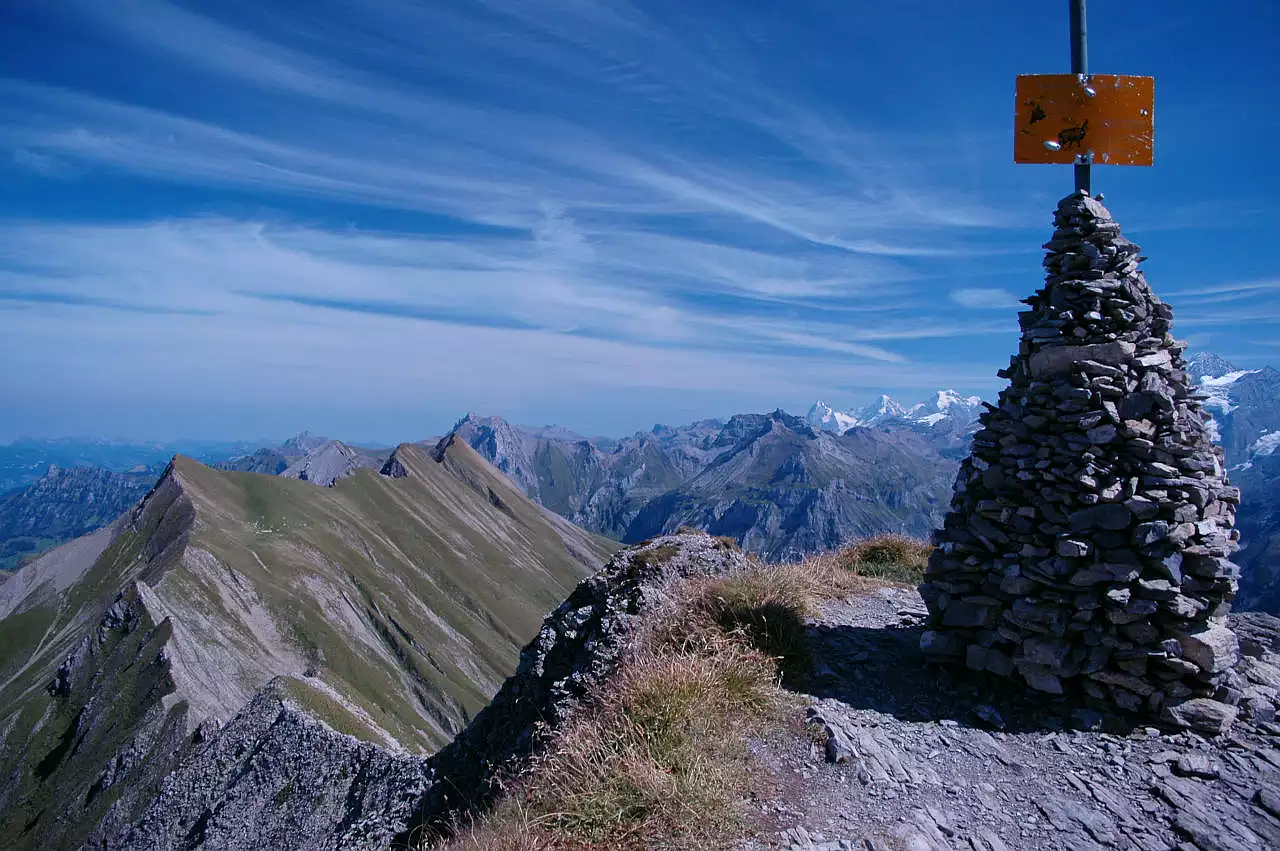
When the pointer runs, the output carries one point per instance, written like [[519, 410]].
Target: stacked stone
[[1087, 547]]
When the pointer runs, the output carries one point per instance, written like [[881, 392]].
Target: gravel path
[[914, 759]]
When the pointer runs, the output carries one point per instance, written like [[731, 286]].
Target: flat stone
[[1160, 358], [1105, 516], [1146, 534], [965, 614], [1071, 548], [1195, 765], [934, 643], [1040, 677], [1170, 567], [1213, 650], [1101, 435], [1142, 508], [1059, 359], [1201, 713]]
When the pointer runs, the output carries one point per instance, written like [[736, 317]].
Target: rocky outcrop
[[276, 777], [1088, 542], [578, 647], [331, 461]]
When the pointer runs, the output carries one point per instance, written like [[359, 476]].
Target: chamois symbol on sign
[[1073, 136]]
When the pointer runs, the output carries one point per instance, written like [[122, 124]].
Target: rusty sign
[[1111, 116]]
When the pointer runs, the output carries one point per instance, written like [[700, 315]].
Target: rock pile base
[[1089, 539]]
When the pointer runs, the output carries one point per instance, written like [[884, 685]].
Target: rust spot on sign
[[1057, 118]]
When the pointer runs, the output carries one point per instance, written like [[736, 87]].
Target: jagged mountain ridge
[[68, 502], [772, 481], [308, 456], [595, 482], [388, 607], [600, 485], [333, 460], [785, 490]]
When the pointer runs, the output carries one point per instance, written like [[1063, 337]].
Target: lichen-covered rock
[[1090, 530]]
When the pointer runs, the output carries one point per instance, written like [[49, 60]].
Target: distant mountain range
[[946, 413], [313, 459], [777, 484], [26, 459], [781, 485]]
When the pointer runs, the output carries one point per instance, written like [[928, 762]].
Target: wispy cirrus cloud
[[577, 197], [985, 298]]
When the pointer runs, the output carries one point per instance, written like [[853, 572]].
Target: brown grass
[[896, 558], [657, 761], [658, 758]]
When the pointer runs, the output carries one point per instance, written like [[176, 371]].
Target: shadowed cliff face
[[389, 608]]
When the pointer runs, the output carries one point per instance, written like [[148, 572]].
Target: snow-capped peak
[[1204, 365], [943, 406], [1218, 389], [827, 418], [885, 407], [946, 398]]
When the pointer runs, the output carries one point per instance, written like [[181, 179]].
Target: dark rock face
[[1089, 537], [1259, 525]]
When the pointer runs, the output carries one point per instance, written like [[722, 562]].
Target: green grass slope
[[396, 603]]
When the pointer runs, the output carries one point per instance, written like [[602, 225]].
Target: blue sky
[[366, 218]]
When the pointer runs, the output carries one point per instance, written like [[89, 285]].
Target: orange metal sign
[[1061, 115]]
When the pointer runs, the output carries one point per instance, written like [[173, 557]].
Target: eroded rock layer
[[1089, 539]]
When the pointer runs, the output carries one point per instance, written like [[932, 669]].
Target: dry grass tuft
[[727, 543], [765, 605], [893, 557], [657, 761], [654, 557], [658, 758]]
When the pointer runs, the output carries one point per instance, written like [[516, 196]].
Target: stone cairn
[[1088, 542]]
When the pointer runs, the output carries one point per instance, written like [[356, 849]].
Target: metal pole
[[1080, 65]]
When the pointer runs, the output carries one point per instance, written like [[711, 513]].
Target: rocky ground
[[903, 756]]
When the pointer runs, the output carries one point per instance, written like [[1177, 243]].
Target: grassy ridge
[[393, 606]]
